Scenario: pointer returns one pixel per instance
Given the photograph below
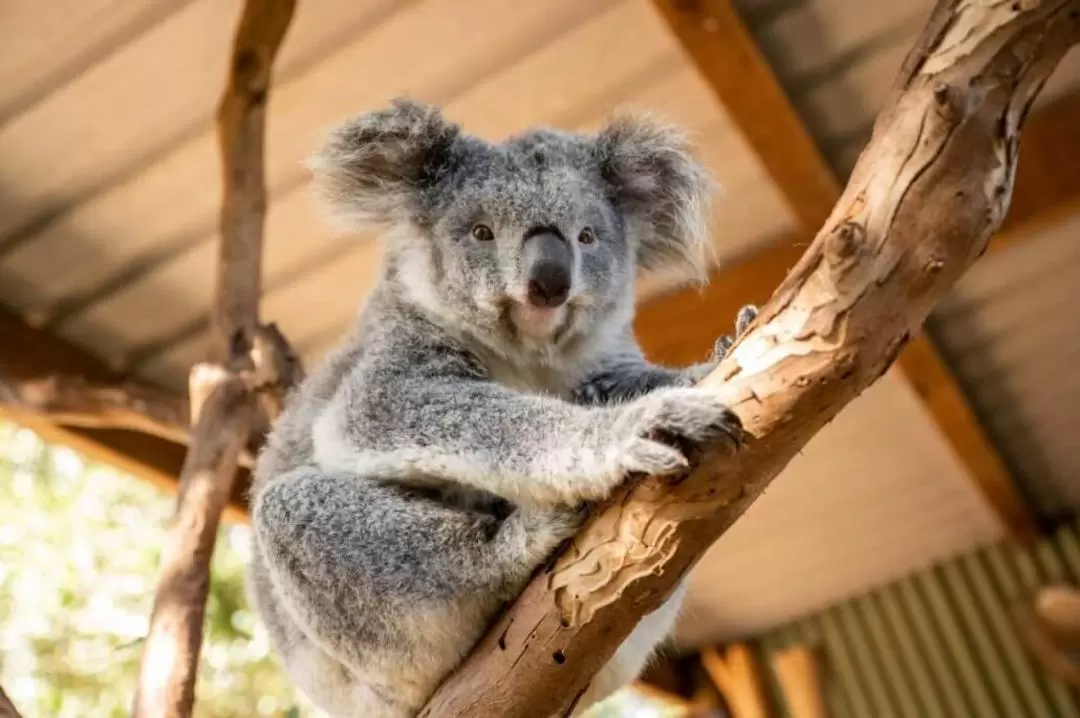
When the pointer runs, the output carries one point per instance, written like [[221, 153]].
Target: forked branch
[[927, 193], [250, 361]]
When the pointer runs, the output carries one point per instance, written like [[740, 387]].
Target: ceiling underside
[[109, 191]]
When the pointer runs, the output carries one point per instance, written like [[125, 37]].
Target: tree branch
[[929, 190], [171, 652], [74, 401], [251, 362], [7, 708], [241, 125]]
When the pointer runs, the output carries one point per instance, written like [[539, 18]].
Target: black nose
[[549, 285], [548, 264]]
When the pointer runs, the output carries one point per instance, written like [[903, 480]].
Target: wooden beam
[[798, 672], [733, 66], [32, 354], [725, 54], [737, 674]]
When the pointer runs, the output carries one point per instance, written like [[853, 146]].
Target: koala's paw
[[593, 393], [743, 320], [664, 426]]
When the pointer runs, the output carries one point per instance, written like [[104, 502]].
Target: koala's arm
[[625, 374], [526, 448]]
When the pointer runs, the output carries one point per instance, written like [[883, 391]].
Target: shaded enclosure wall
[[940, 643]]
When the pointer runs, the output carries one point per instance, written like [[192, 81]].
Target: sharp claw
[[746, 316], [721, 347]]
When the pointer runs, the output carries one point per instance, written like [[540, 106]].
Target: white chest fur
[[530, 377]]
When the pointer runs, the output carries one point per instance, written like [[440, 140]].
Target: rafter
[[727, 57]]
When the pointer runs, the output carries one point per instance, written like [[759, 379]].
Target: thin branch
[[251, 361], [130, 406], [74, 401], [241, 125], [171, 652], [926, 195]]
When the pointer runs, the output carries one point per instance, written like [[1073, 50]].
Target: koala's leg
[[395, 587], [630, 658]]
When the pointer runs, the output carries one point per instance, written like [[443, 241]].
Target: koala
[[489, 392]]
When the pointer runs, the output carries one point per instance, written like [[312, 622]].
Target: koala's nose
[[549, 264]]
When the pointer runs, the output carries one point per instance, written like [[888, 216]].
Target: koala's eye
[[587, 236], [483, 233]]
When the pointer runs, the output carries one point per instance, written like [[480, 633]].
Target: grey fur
[[447, 447]]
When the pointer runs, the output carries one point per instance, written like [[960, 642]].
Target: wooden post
[[926, 195], [737, 675], [799, 674], [223, 394]]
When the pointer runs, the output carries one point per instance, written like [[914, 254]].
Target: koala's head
[[533, 242]]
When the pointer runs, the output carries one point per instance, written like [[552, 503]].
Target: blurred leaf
[[79, 547]]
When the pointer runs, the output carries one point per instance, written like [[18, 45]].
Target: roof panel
[[152, 89], [543, 87], [816, 38], [46, 44], [1010, 332], [173, 204], [876, 494]]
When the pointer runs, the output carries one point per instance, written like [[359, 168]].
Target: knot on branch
[[843, 243], [266, 363], [251, 76]]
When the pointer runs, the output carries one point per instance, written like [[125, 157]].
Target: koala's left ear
[[374, 170], [654, 181]]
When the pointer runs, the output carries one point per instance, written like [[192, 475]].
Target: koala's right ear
[[374, 169]]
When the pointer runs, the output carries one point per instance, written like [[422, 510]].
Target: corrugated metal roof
[[941, 643], [837, 59], [1011, 332]]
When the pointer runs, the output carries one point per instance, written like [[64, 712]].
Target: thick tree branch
[[927, 193], [251, 360]]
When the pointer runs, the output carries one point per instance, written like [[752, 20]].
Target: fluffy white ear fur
[[369, 170], [657, 183]]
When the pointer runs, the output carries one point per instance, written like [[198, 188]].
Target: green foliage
[[79, 547]]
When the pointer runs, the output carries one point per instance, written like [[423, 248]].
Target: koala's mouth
[[539, 323]]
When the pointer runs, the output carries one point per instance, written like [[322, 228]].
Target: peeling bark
[[927, 193]]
